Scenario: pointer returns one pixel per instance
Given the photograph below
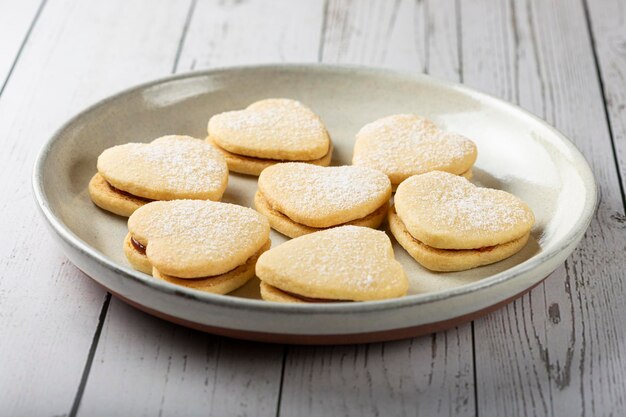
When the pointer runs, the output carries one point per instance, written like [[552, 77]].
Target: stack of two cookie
[[169, 168], [448, 224], [205, 245], [301, 198], [404, 145], [345, 263], [267, 132]]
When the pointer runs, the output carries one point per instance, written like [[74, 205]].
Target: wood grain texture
[[235, 32], [50, 310], [428, 376], [16, 21], [151, 367], [390, 34], [147, 367], [422, 376], [558, 351], [608, 24]]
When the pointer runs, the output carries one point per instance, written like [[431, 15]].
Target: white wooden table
[[68, 348]]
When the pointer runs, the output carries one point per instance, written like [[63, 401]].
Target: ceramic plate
[[517, 152]]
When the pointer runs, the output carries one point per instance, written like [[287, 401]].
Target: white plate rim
[[70, 238]]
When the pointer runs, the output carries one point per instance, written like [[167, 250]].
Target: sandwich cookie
[[267, 132], [347, 263], [446, 223], [168, 168], [300, 198], [205, 245], [406, 144]]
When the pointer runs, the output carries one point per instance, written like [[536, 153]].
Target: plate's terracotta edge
[[330, 339]]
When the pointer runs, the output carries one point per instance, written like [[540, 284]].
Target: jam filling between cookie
[[384, 206], [180, 280], [250, 262], [256, 158], [127, 194], [313, 300], [138, 246], [483, 249]]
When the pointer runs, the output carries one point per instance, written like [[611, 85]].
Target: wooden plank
[[145, 366], [78, 52], [558, 351], [148, 366], [499, 59], [16, 20], [238, 33], [423, 376], [608, 24], [381, 33]]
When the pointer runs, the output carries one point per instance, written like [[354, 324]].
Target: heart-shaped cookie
[[347, 263], [451, 259], [404, 145], [254, 166], [322, 197], [446, 211], [196, 238], [277, 129], [170, 167]]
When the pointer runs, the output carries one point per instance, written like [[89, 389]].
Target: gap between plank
[[282, 379], [474, 371], [459, 45], [604, 98], [19, 51], [320, 50], [183, 36], [107, 300], [320, 55], [90, 356]]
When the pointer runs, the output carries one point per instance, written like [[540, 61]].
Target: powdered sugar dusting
[[447, 202], [285, 123], [410, 144], [177, 164], [311, 191], [196, 230], [401, 126], [346, 258], [346, 261]]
